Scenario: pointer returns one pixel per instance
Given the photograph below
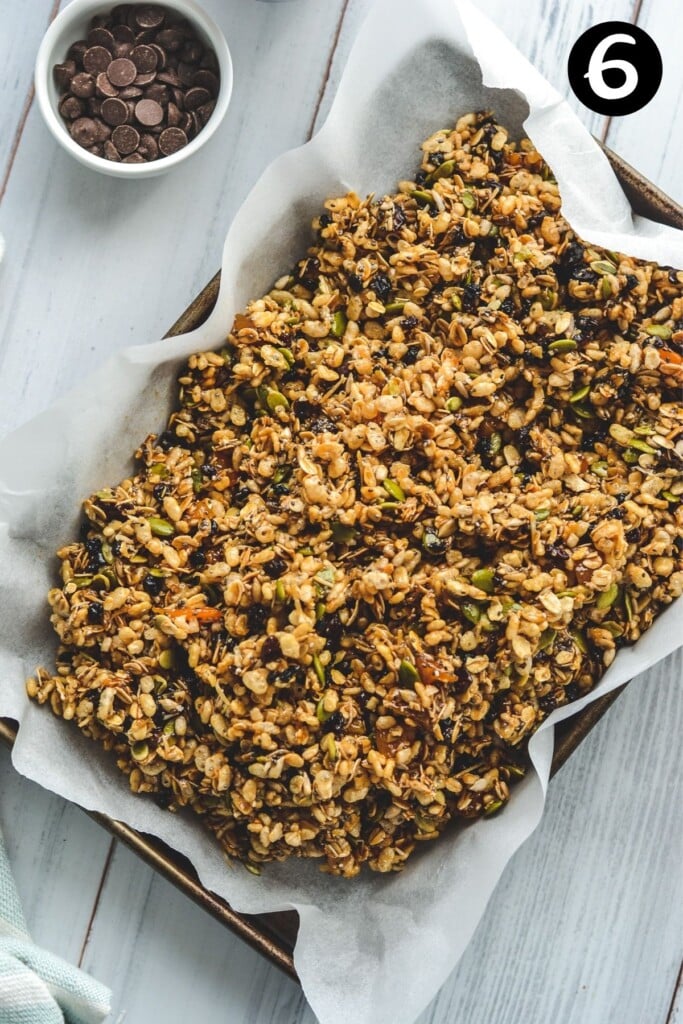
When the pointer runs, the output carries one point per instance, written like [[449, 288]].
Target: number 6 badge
[[615, 68]]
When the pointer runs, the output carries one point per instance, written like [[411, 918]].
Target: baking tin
[[274, 935]]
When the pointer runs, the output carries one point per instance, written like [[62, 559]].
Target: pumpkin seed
[[581, 412], [642, 446], [603, 267], [343, 534], [670, 496], [423, 197], [514, 769], [547, 638], [158, 469], [339, 322], [483, 579], [197, 481], [599, 468], [607, 598], [562, 345], [468, 200], [541, 514], [456, 302], [395, 307], [606, 288], [580, 641], [471, 611], [280, 592], [486, 625], [659, 331], [580, 394], [444, 170], [320, 712], [454, 403], [166, 658], [644, 430], [393, 489], [628, 605], [287, 355], [253, 869], [82, 581], [493, 808], [495, 443], [319, 669], [275, 400], [630, 457], [139, 751], [407, 673], [161, 527]]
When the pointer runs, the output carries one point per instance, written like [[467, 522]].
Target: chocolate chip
[[96, 59], [77, 51], [148, 148], [161, 56], [121, 72], [144, 58], [131, 92], [133, 158], [111, 152], [196, 97], [145, 79], [104, 87], [63, 73], [93, 106], [70, 108], [207, 80], [101, 37], [84, 131], [96, 150], [122, 49], [192, 51], [169, 77], [115, 112], [149, 113], [125, 138], [206, 111], [170, 39], [103, 130], [149, 16], [171, 140], [123, 34], [157, 92], [83, 85], [186, 73], [173, 116]]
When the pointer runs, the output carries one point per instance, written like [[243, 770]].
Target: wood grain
[[580, 930]]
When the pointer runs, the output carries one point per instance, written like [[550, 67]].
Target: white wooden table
[[94, 264]]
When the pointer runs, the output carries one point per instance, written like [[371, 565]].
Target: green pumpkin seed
[[275, 400], [493, 808], [395, 307], [630, 457], [444, 170], [328, 746], [326, 576], [454, 403], [562, 345], [614, 628], [339, 322], [407, 673], [514, 769], [82, 581], [161, 527], [468, 200], [471, 611], [139, 751], [483, 580], [644, 430], [580, 394], [319, 611], [158, 469], [343, 534], [320, 712], [166, 658], [423, 197], [393, 489], [628, 606], [541, 514], [603, 267], [280, 592], [659, 331], [287, 355], [495, 443], [642, 446], [281, 473], [607, 598], [582, 413], [670, 496], [169, 729], [456, 302], [486, 625], [197, 480], [253, 869], [599, 468], [547, 638], [606, 288], [319, 669], [580, 641]]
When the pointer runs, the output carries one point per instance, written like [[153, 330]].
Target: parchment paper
[[374, 950]]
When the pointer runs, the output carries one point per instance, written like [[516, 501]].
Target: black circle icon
[[615, 68]]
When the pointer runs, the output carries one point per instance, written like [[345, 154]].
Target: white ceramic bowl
[[72, 24]]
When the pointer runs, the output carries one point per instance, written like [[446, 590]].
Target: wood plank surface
[[580, 929]]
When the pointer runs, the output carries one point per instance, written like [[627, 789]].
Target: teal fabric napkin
[[37, 987]]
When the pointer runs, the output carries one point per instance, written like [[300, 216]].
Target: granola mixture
[[420, 499]]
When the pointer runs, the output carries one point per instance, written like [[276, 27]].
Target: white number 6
[[598, 65]]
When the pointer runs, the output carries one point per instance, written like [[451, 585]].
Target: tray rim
[[273, 935]]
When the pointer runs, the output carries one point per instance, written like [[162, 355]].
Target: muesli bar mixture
[[419, 500]]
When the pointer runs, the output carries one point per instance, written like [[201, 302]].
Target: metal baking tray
[[274, 935]]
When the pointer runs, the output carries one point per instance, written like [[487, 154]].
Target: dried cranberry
[[325, 220], [241, 496], [154, 585], [470, 297], [616, 513], [159, 490], [309, 273], [508, 306], [447, 725], [95, 613], [355, 283], [335, 723], [257, 616], [331, 627], [96, 559], [409, 322], [196, 559]]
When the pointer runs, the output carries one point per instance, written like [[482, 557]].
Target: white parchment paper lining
[[374, 950]]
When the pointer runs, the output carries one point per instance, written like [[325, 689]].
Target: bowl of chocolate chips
[[135, 89]]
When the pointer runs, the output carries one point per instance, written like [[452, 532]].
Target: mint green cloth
[[37, 987]]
